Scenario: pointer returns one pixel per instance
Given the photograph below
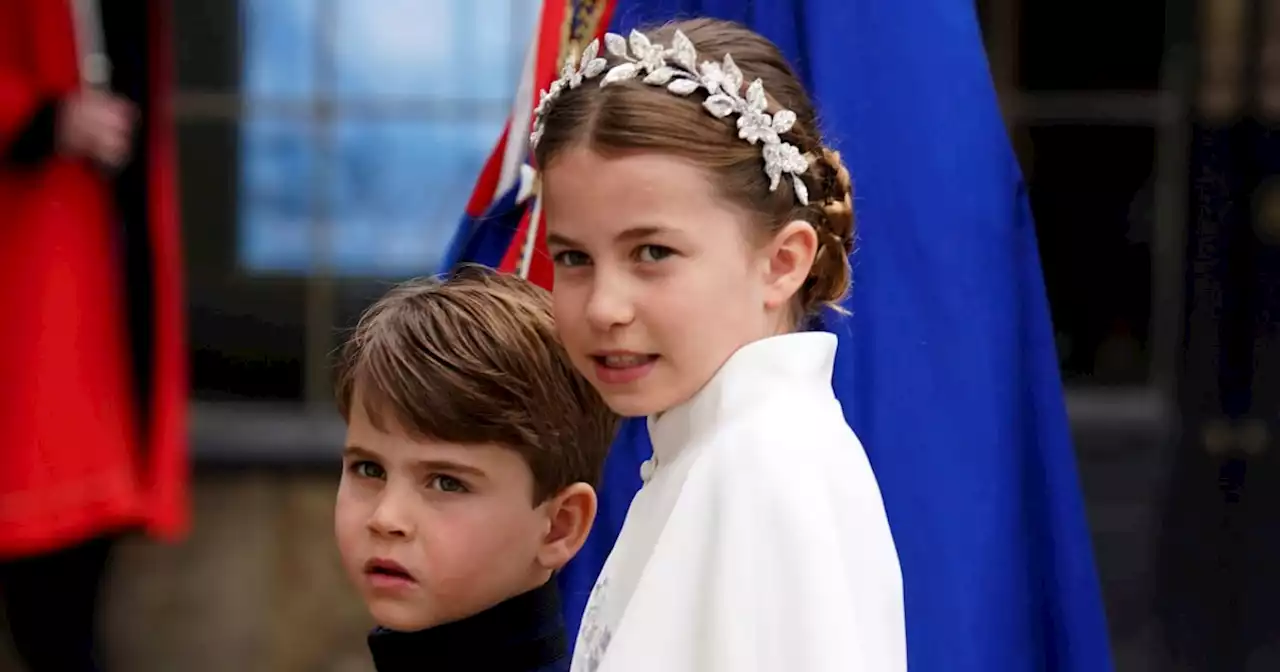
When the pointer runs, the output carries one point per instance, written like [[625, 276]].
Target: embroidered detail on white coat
[[595, 633]]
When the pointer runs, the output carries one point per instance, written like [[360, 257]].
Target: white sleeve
[[770, 561]]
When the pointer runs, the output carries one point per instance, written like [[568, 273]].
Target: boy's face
[[433, 532]]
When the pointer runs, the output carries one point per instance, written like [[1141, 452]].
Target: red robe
[[90, 448]]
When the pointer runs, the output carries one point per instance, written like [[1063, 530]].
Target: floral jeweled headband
[[677, 69]]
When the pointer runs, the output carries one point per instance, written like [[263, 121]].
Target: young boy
[[471, 448]]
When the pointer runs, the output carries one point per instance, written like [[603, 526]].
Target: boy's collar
[[525, 632]]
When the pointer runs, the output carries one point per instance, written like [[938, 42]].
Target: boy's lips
[[386, 574]]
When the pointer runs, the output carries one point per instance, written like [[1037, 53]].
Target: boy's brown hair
[[474, 359]]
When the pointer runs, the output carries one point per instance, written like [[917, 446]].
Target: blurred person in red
[[92, 358]]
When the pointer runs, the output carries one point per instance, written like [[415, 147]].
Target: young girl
[[698, 223]]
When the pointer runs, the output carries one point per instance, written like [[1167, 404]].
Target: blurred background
[[327, 148]]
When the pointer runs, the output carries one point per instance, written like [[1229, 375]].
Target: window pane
[[1094, 220], [247, 337], [393, 180], [394, 193], [280, 48], [398, 190], [277, 195], [434, 49], [1089, 44]]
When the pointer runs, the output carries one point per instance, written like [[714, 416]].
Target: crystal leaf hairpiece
[[677, 68]]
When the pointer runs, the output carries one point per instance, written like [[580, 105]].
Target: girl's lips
[[622, 369]]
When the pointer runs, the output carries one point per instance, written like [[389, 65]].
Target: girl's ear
[[570, 514], [790, 258]]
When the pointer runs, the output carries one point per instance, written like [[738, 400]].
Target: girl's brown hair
[[632, 115]]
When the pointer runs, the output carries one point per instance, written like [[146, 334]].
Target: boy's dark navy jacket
[[524, 634]]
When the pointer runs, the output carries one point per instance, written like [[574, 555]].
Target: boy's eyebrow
[[450, 465], [357, 452]]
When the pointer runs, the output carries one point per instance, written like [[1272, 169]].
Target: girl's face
[[657, 281]]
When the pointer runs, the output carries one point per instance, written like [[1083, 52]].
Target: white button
[[646, 470]]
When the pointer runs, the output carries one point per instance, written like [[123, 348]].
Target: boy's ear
[[570, 513]]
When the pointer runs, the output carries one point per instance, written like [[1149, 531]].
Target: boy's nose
[[388, 520]]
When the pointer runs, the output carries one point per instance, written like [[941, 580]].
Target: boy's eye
[[367, 469], [445, 483], [570, 258], [652, 253]]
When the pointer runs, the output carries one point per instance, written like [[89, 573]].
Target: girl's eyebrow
[[631, 234], [641, 232], [561, 240]]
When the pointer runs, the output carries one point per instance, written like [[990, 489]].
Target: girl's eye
[[570, 258], [652, 253], [367, 469], [446, 484]]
